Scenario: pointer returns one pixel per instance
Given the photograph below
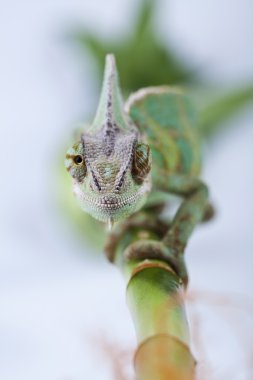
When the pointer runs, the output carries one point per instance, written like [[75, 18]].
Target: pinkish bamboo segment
[[164, 358]]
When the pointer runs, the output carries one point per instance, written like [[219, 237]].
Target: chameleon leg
[[142, 222], [191, 212]]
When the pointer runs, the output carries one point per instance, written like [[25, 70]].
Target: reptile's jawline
[[110, 202], [106, 204]]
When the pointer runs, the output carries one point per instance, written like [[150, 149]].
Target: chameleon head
[[110, 165], [112, 187]]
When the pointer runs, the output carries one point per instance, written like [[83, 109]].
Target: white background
[[57, 302]]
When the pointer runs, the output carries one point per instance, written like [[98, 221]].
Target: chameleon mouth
[[111, 207], [110, 202]]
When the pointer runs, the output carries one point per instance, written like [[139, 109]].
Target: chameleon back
[[167, 120]]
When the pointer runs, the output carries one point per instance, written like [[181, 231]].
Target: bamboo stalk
[[155, 296], [155, 300]]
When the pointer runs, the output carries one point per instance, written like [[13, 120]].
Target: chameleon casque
[[132, 153]]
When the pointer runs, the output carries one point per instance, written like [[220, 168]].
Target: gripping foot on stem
[[155, 250]]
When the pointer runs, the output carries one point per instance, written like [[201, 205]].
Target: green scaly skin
[[113, 176]]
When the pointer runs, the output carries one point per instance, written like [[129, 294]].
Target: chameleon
[[134, 154]]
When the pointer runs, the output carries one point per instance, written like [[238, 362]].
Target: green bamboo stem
[[155, 300], [155, 296]]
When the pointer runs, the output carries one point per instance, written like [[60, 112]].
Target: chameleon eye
[[75, 163], [141, 163], [78, 159]]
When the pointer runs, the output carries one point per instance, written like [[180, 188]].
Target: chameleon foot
[[139, 224], [155, 250]]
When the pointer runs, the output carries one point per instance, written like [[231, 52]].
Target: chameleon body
[[166, 117], [149, 145]]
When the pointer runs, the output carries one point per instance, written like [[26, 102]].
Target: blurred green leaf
[[222, 108], [96, 47], [145, 17], [142, 59]]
